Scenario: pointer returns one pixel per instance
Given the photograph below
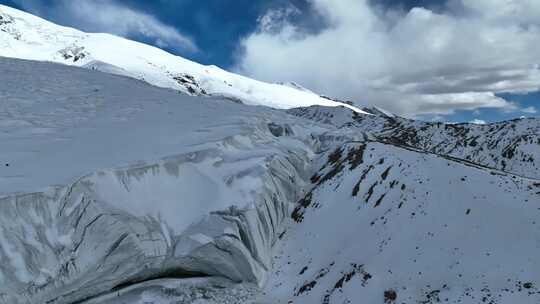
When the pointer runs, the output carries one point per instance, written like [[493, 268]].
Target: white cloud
[[411, 62], [446, 103], [478, 122], [529, 110], [112, 17], [276, 19], [510, 11]]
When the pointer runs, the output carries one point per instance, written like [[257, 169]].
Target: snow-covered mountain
[[113, 190], [25, 36], [511, 146], [166, 198]]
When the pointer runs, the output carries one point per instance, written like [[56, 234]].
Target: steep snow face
[[512, 146], [28, 37], [116, 228], [390, 224]]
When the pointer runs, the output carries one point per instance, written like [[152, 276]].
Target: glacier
[[211, 204]]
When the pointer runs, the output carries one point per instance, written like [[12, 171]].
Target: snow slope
[[390, 224], [26, 36]]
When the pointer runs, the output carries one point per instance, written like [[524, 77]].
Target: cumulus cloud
[[111, 17], [410, 62], [478, 122], [529, 110], [276, 19]]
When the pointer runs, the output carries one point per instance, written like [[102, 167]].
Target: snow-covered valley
[[122, 187]]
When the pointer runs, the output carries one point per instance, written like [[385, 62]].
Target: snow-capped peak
[[25, 36]]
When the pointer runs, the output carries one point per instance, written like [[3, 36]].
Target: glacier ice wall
[[119, 227]]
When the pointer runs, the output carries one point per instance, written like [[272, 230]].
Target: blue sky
[[216, 26], [376, 52]]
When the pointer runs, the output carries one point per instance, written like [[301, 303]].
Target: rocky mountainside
[[510, 146], [385, 223]]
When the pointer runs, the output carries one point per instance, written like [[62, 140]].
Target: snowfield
[[119, 190]]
